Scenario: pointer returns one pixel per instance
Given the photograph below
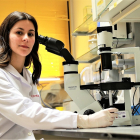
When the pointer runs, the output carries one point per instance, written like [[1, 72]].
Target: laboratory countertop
[[123, 132]]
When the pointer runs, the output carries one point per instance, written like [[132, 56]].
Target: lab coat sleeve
[[31, 115]]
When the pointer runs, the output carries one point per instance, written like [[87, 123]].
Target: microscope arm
[[82, 98]]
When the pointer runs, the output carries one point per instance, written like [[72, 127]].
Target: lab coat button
[[30, 133]]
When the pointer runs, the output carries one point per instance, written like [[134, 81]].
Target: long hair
[[5, 51]]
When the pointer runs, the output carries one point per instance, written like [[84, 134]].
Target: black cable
[[135, 108], [100, 76], [100, 72], [134, 95]]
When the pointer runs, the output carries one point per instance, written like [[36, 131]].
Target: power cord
[[135, 108], [100, 73], [134, 95]]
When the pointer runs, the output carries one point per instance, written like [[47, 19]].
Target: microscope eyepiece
[[42, 39], [56, 47]]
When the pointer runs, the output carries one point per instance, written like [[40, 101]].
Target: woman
[[20, 108]]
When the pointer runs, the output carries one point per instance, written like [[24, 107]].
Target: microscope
[[80, 94]]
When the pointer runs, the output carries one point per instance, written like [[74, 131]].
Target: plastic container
[[87, 12], [92, 42]]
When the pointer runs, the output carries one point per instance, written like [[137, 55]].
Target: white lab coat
[[20, 108]]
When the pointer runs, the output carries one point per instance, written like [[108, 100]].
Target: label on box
[[100, 2], [115, 4], [101, 5], [121, 114]]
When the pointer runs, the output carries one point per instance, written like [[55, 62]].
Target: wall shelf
[[89, 57], [88, 27], [123, 11], [92, 56]]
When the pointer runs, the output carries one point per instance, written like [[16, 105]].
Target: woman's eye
[[19, 33], [30, 34]]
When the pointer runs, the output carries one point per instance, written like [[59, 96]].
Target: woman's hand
[[102, 118]]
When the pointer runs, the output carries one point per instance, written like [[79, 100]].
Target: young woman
[[20, 108]]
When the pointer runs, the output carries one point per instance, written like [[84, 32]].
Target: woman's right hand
[[102, 118]]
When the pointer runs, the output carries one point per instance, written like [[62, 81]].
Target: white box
[[92, 43], [121, 30]]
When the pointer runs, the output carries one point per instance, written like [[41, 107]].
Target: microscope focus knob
[[88, 112]]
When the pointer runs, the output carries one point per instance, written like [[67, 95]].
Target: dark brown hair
[[5, 52]]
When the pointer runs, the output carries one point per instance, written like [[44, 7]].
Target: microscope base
[[122, 119]]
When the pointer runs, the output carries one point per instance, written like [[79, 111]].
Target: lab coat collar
[[24, 79]]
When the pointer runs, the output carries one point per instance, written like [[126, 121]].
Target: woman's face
[[22, 38]]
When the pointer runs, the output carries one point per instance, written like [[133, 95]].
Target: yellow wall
[[52, 19], [79, 43]]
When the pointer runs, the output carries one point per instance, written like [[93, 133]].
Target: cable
[[134, 95], [100, 73], [135, 108]]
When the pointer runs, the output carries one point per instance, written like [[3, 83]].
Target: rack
[[121, 11], [92, 56], [86, 28]]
